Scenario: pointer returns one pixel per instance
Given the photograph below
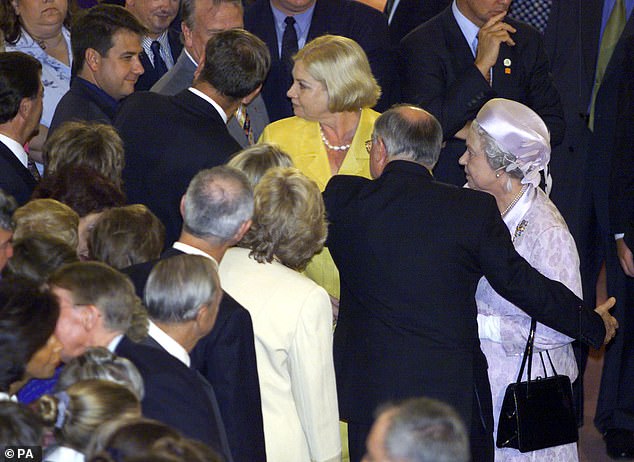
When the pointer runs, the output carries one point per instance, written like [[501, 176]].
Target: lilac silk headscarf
[[519, 131]]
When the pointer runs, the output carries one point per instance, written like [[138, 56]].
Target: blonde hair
[[95, 145], [255, 160], [342, 66], [289, 221], [78, 411], [48, 217], [125, 236]]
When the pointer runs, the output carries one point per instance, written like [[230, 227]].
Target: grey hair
[[255, 160], [100, 363], [7, 206], [188, 9], [426, 430], [419, 139], [217, 202], [179, 286], [498, 158]]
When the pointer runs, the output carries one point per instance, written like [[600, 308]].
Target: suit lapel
[[458, 48], [17, 166]]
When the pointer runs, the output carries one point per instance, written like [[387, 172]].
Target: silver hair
[[419, 140], [498, 158], [217, 202], [100, 363], [179, 286], [426, 430], [7, 206]]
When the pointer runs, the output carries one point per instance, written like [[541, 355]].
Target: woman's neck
[[53, 44], [340, 127], [507, 199]]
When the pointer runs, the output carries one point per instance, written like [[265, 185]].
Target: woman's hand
[[610, 323]]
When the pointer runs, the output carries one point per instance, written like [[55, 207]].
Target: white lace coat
[[542, 238]]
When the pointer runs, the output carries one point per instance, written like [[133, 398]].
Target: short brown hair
[[92, 144], [289, 221], [125, 236], [49, 217]]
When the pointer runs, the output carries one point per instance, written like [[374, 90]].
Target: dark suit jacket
[[411, 14], [151, 75], [410, 253], [82, 102], [181, 76], [438, 75], [352, 19], [226, 358], [15, 178], [167, 140], [216, 426], [174, 394]]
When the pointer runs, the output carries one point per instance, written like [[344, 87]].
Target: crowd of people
[[309, 230]]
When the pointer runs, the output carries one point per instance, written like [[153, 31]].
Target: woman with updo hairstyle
[[79, 411], [28, 345], [100, 363], [508, 145], [333, 92], [255, 160], [292, 317]]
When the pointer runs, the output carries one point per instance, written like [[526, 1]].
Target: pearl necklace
[[514, 201], [343, 147]]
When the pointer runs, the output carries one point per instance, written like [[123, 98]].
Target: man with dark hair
[[106, 43], [417, 430], [7, 207], [217, 210], [201, 20], [410, 253], [21, 93], [168, 139]]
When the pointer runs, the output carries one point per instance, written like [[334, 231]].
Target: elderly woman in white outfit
[[292, 318], [507, 146]]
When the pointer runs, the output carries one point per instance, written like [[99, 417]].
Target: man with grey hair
[[217, 210], [417, 430], [410, 252], [7, 207], [201, 19]]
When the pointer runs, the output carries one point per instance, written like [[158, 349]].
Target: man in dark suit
[[202, 19], [405, 15], [313, 18], [168, 139], [106, 43], [217, 210], [410, 252], [98, 307], [20, 114], [161, 45], [470, 53]]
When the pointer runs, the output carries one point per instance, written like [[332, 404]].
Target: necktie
[[611, 34], [159, 64], [533, 12], [245, 122], [289, 47], [30, 164]]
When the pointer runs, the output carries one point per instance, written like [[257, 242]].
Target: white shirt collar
[[114, 343], [191, 58], [210, 101], [469, 29], [16, 148], [169, 344], [190, 250]]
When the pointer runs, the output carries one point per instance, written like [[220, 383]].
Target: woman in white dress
[[292, 318], [507, 146]]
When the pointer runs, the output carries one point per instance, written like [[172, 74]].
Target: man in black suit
[[217, 210], [410, 252], [20, 113], [168, 139], [405, 15], [106, 43], [98, 307], [313, 18], [161, 45], [470, 53]]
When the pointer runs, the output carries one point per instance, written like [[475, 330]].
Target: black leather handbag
[[538, 413]]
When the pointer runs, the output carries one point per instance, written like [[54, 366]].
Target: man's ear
[[244, 227], [381, 153], [92, 59], [182, 206], [187, 35], [26, 104], [90, 317]]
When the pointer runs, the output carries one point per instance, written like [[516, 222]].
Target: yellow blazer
[[301, 139]]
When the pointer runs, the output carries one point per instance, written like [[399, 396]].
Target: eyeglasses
[[368, 145]]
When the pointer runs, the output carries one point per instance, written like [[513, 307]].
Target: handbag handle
[[528, 352]]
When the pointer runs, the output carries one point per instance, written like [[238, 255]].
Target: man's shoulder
[[429, 30], [253, 14]]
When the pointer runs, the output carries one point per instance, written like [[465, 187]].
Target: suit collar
[[400, 167], [194, 103], [167, 343], [18, 167]]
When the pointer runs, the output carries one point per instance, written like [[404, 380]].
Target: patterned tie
[[611, 34], [30, 164], [289, 48], [245, 122], [533, 12], [159, 64]]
